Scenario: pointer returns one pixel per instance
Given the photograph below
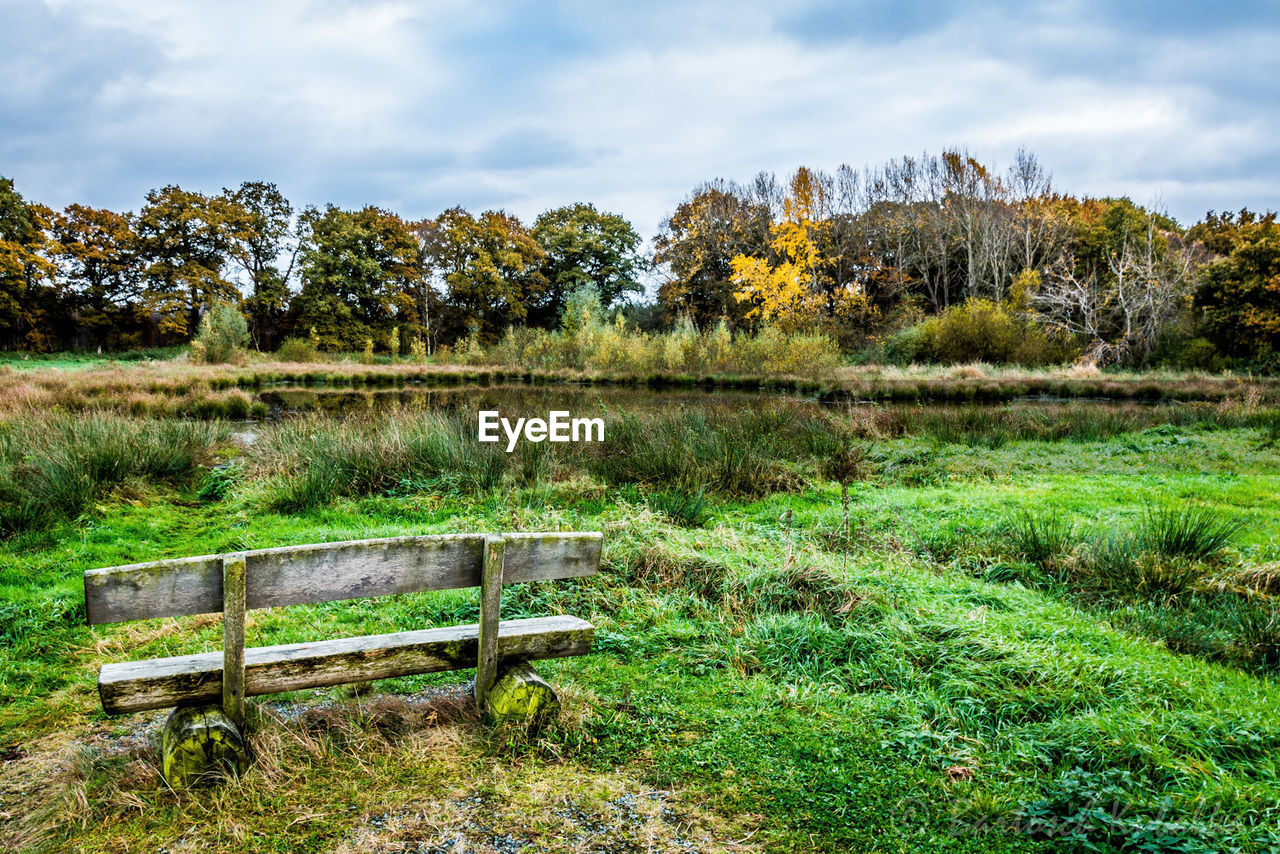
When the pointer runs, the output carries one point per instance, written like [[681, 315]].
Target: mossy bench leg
[[200, 745], [203, 744], [519, 693]]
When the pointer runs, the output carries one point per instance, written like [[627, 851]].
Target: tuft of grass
[[1257, 626], [686, 508], [1041, 538], [1121, 562], [218, 482], [1192, 532]]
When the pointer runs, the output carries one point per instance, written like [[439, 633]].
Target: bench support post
[[490, 608], [520, 694], [233, 601], [200, 746]]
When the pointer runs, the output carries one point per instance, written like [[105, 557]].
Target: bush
[[298, 350], [1187, 354], [904, 346], [222, 337], [978, 330]]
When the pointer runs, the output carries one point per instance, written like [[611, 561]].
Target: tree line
[[86, 278], [923, 257]]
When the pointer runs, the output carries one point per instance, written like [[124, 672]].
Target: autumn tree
[[1039, 229], [1125, 278], [96, 251], [491, 269], [261, 240], [792, 285], [697, 244], [1238, 293], [356, 268], [584, 247], [183, 244], [26, 299]]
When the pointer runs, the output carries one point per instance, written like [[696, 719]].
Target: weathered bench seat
[[159, 683]]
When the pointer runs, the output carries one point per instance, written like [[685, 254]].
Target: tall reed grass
[[309, 461], [600, 346], [717, 451], [54, 467]]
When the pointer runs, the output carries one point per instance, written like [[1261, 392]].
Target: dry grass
[[389, 773], [1259, 579]]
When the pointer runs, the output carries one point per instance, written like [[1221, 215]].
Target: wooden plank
[[328, 572], [490, 609], [550, 556], [135, 686], [233, 597]]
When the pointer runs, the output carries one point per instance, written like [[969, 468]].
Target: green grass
[[941, 672], [73, 360], [687, 508]]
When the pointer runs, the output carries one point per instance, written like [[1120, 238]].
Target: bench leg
[[200, 745], [519, 693]]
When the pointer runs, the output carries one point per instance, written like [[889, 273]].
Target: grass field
[[969, 629]]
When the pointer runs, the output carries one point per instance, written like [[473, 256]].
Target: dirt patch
[[569, 811]]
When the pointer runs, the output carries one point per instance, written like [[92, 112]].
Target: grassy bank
[[983, 641]]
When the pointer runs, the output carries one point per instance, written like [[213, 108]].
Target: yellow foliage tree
[[792, 287]]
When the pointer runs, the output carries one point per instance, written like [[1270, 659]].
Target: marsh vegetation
[[821, 626]]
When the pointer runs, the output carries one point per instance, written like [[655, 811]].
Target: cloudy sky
[[421, 106]]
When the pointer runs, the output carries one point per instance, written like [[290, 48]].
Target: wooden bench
[[230, 584]]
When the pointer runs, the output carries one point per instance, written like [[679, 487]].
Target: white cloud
[[422, 106]]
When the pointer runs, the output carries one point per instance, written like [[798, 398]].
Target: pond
[[522, 398]]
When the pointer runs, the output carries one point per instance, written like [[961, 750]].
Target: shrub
[[979, 330], [904, 346], [223, 335], [298, 350]]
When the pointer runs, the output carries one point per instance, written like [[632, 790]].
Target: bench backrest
[[329, 572]]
